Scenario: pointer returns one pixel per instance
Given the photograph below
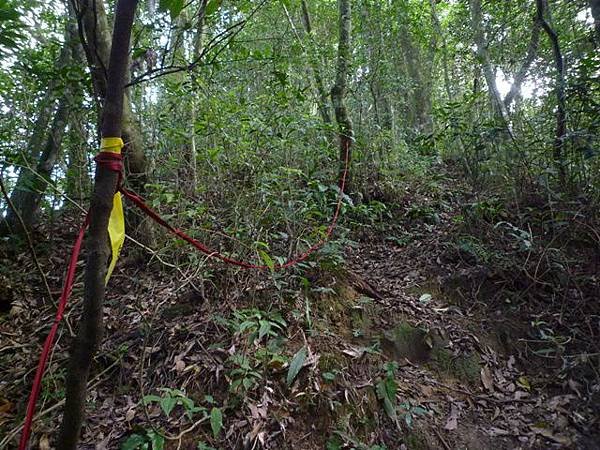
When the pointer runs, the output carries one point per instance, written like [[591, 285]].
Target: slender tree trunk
[[90, 328], [197, 51], [25, 195], [521, 74], [323, 104], [94, 27], [77, 177], [438, 29], [486, 65], [560, 89], [338, 91]]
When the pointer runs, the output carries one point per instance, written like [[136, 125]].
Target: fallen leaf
[[179, 365], [452, 421], [524, 383], [44, 443], [129, 415], [486, 379]]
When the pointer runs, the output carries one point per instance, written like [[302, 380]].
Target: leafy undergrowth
[[454, 322]]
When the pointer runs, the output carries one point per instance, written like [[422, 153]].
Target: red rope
[[114, 162], [139, 202], [62, 304]]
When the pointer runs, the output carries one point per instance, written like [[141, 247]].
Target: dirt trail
[[465, 361]]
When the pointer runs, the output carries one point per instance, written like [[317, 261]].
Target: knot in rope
[[111, 161]]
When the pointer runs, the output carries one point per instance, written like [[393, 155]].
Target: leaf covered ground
[[447, 324]]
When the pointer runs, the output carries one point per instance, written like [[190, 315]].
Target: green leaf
[[168, 404], [216, 421], [266, 259], [329, 376], [174, 7], [417, 411], [133, 442], [296, 365], [212, 7], [157, 441], [425, 298], [203, 446], [265, 328], [386, 392], [151, 398]]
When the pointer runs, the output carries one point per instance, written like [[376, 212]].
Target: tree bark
[[90, 329], [197, 51], [323, 104], [521, 74], [488, 72], [95, 29], [338, 91], [438, 29], [560, 89]]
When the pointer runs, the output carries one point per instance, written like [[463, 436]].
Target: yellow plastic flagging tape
[[116, 222]]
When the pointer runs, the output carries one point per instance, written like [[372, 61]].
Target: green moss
[[464, 367], [406, 341], [416, 441]]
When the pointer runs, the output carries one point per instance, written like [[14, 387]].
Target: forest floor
[[426, 337]]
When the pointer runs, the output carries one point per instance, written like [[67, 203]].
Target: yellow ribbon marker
[[116, 222]]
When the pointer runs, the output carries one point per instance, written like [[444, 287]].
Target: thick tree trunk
[[421, 100], [560, 89], [26, 193], [323, 103], [486, 65], [338, 92], [90, 329], [31, 198]]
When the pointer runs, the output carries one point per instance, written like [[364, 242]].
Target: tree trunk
[[338, 91], [96, 31], [26, 194], [499, 108], [560, 88], [421, 101], [77, 178], [197, 51], [90, 329], [323, 103], [521, 74], [438, 29]]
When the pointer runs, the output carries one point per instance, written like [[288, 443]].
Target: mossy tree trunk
[[338, 92]]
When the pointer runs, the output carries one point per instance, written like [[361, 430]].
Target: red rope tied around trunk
[[111, 161], [114, 162]]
